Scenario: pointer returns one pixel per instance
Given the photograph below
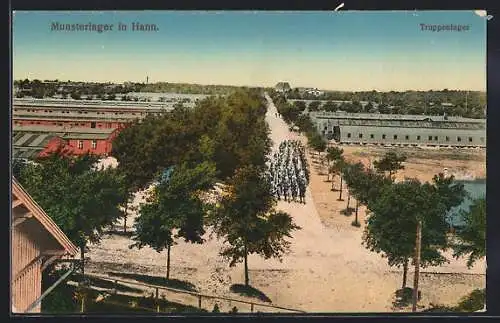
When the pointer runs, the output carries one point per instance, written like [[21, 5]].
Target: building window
[[348, 135], [447, 138], [470, 139], [395, 137], [360, 135], [372, 136], [94, 144], [80, 144], [407, 137], [92, 125], [418, 137], [383, 136], [436, 138], [459, 139], [430, 137]]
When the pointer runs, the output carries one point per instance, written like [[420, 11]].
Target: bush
[[439, 309], [234, 310], [472, 302], [216, 308]]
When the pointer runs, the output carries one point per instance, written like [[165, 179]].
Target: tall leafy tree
[[246, 219], [317, 143], [339, 169], [472, 237], [332, 155], [175, 205], [82, 201], [393, 218], [391, 162]]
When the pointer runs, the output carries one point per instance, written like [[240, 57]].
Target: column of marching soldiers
[[288, 171]]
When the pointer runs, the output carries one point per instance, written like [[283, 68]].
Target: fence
[[199, 296]]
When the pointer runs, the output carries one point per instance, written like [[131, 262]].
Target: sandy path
[[327, 269]]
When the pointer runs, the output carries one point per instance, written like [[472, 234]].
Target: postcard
[[248, 162]]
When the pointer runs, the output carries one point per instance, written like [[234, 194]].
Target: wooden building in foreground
[[36, 242]]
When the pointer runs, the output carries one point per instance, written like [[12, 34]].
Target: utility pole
[[417, 265]]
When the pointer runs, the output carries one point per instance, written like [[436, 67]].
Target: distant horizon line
[[261, 86]]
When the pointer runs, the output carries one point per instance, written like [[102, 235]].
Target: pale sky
[[350, 51]]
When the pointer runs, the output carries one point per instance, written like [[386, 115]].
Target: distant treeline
[[47, 89], [469, 104], [185, 88], [108, 91]]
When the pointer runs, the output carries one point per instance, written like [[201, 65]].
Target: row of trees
[[221, 140], [465, 104], [474, 101], [400, 212], [370, 107]]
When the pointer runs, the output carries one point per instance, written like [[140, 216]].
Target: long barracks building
[[404, 130], [83, 113]]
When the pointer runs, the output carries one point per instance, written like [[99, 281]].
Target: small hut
[[36, 242]]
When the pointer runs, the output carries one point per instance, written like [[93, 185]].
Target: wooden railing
[[200, 296]]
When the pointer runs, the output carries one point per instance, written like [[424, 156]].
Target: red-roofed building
[[35, 141]]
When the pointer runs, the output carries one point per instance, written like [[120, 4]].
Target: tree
[[339, 166], [353, 173], [317, 143], [300, 105], [247, 220], [81, 201], [472, 237], [233, 128], [75, 95], [314, 105], [391, 162], [330, 106], [332, 155], [175, 204], [394, 215]]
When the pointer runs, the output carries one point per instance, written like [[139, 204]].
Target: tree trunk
[[417, 266], [357, 206], [340, 195], [405, 272], [82, 259], [168, 262], [125, 218], [246, 265], [348, 199], [333, 182]]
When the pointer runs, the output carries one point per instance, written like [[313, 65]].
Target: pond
[[476, 189]]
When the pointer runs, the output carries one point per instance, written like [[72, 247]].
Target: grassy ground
[[156, 280], [63, 301], [419, 153]]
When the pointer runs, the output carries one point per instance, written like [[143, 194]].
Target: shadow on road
[[249, 291]]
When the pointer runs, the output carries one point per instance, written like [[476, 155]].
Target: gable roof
[[42, 217]]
